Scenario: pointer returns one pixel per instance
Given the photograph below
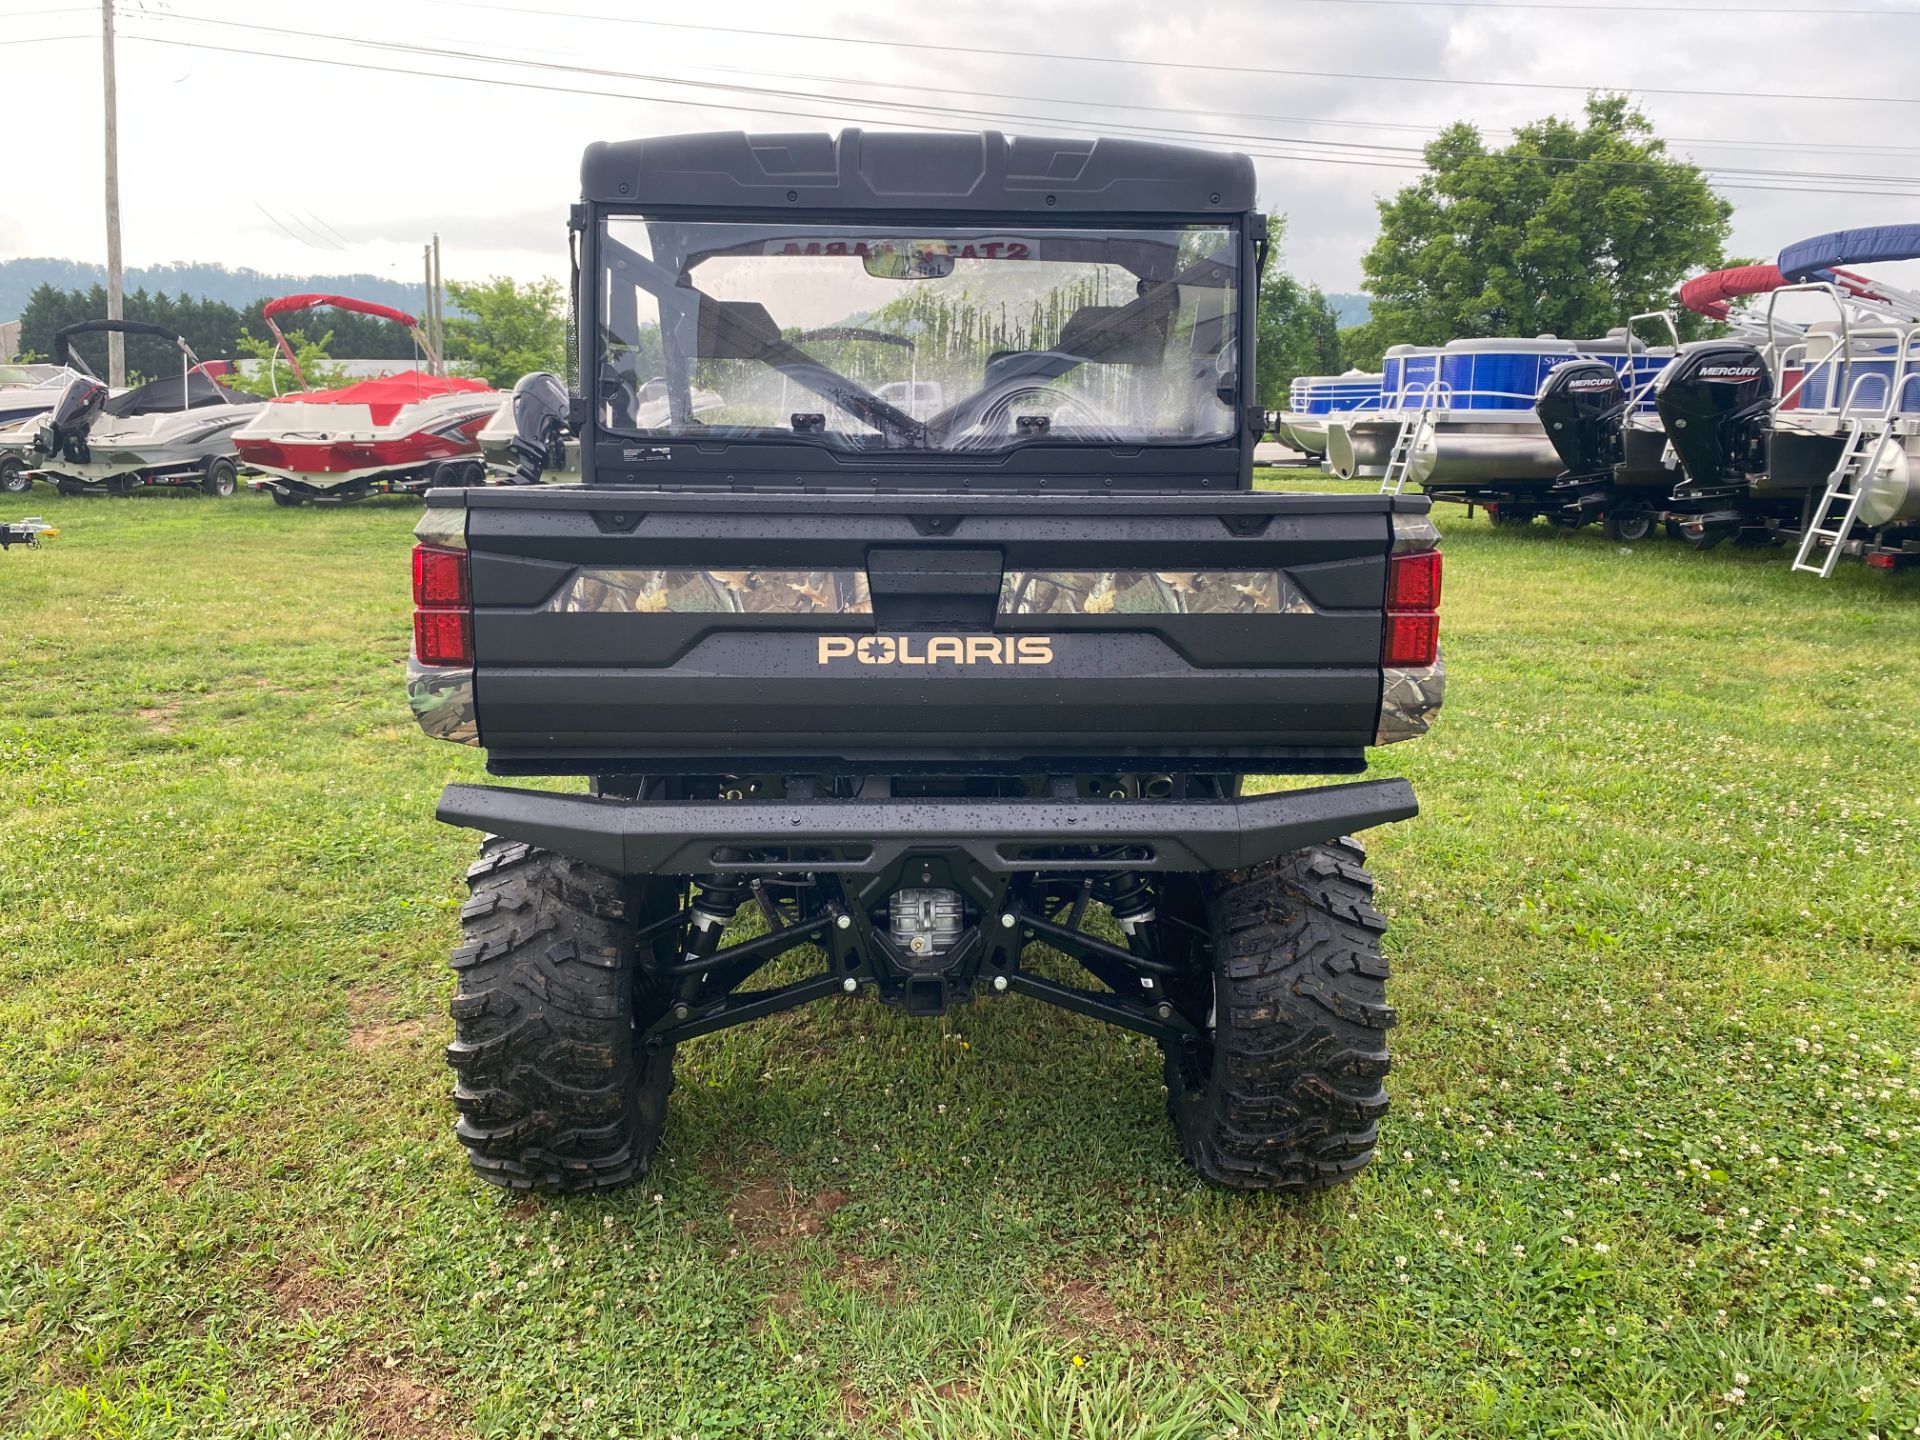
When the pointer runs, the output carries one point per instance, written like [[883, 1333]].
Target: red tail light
[[443, 637], [440, 577], [1413, 581], [443, 601], [1412, 635]]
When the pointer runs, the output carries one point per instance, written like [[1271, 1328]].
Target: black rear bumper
[[871, 836]]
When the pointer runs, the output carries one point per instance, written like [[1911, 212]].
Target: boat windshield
[[13, 377], [951, 338]]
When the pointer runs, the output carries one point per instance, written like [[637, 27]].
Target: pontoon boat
[[1312, 401]]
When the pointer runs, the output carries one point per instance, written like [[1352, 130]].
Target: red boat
[[402, 432]]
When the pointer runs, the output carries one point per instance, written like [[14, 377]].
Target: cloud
[[359, 168]]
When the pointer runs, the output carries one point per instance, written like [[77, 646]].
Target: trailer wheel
[[1629, 523], [14, 479], [287, 498], [223, 477], [554, 1091], [1283, 1090]]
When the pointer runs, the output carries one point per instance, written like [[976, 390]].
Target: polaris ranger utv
[[910, 690]]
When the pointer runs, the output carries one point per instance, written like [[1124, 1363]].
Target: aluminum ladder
[[1839, 508], [1406, 443]]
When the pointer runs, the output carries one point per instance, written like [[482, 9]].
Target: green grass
[[1653, 1167]]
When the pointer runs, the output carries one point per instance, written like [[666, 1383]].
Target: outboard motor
[[540, 407], [65, 429], [1582, 406], [1716, 402]]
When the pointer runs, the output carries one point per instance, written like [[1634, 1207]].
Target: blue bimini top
[[1806, 259]]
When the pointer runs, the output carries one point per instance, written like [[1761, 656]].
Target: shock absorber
[[721, 896], [1131, 900]]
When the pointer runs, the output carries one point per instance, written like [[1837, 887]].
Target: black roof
[[192, 391], [924, 172]]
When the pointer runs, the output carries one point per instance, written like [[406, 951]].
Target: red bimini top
[[1712, 294], [385, 396]]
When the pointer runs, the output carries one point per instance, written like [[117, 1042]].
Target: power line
[[1171, 64], [1740, 13], [1345, 152], [840, 112]]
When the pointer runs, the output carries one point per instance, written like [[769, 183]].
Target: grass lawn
[[1653, 1167]]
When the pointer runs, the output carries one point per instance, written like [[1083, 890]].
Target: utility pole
[[426, 308], [116, 342], [439, 306]]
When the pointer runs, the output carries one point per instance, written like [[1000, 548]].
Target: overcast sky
[[291, 166]]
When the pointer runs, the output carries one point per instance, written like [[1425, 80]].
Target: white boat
[[175, 431], [27, 392]]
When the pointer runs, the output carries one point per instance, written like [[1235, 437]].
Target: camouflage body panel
[[1151, 592], [1408, 700], [1414, 532], [441, 698], [716, 592], [443, 525]]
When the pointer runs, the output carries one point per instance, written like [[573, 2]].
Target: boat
[[649, 406], [398, 433], [1605, 424], [175, 432], [1850, 441], [1459, 420], [1809, 432], [1313, 399], [27, 391]]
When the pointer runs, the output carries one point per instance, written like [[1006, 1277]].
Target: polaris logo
[[1729, 373], [937, 649]]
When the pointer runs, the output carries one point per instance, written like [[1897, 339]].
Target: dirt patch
[[380, 1400], [854, 1407], [364, 1039], [370, 1014], [160, 718], [299, 1290], [769, 1213], [878, 1278], [820, 1209], [1083, 1310]]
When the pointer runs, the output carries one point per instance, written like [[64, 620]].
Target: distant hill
[[238, 288], [1351, 309]]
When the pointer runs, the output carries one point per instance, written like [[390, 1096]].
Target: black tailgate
[[630, 626]]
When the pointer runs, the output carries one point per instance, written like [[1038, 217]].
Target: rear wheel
[[554, 1090], [14, 479], [1283, 1089], [223, 477]]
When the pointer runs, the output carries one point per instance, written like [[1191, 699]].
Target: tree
[[508, 329], [1567, 231], [1296, 330], [276, 377], [212, 328]]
